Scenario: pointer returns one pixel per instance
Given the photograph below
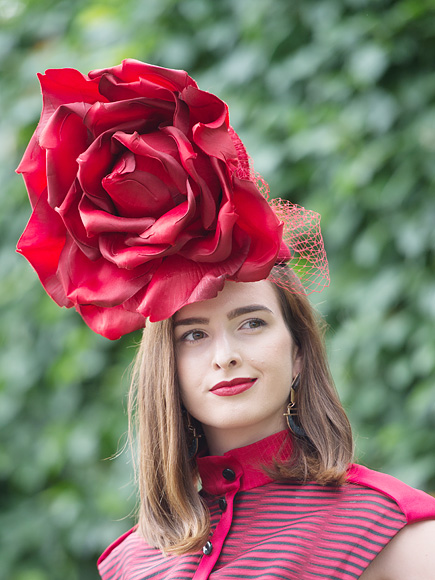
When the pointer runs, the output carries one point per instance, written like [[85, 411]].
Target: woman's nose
[[226, 355]]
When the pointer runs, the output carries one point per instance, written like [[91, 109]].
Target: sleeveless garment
[[273, 530]]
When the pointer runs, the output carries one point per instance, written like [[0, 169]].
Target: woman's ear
[[297, 360]]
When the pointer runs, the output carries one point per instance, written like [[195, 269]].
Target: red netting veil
[[144, 200]]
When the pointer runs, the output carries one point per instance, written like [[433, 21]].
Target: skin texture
[[215, 343], [213, 346], [409, 556]]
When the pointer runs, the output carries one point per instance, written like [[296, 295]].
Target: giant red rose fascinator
[[144, 199]]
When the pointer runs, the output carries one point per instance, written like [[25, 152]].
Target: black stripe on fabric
[[362, 528], [326, 499], [275, 527], [282, 507], [152, 571], [232, 575], [149, 575], [348, 561], [322, 491], [266, 510], [335, 569], [266, 543], [190, 572], [270, 575], [309, 525], [298, 550], [346, 542], [378, 522], [349, 543], [349, 575], [278, 533], [154, 563], [361, 536], [263, 569], [388, 506], [299, 494], [315, 519]]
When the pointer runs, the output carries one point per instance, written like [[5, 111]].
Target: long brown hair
[[173, 516]]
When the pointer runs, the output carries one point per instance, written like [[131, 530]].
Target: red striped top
[[278, 530]]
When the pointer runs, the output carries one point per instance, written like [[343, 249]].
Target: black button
[[229, 474], [222, 504], [207, 549]]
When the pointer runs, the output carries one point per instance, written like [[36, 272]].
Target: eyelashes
[[196, 335], [254, 323], [192, 333]]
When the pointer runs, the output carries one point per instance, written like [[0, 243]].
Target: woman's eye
[[193, 335], [253, 323]]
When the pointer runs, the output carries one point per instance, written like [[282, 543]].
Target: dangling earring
[[292, 411], [193, 437]]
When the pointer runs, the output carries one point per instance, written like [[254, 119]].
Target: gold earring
[[194, 436], [292, 411]]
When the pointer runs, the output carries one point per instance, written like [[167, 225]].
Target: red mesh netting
[[301, 235]]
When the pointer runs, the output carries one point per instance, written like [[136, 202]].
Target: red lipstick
[[234, 387]]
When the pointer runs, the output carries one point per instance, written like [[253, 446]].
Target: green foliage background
[[335, 100]]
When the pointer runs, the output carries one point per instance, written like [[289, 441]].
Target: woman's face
[[235, 360]]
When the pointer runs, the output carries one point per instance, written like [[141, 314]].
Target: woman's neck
[[219, 441]]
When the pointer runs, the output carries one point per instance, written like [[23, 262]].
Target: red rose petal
[[253, 210], [139, 194], [181, 119], [134, 72], [99, 282], [67, 85], [97, 221], [71, 216], [112, 323], [42, 243], [161, 149], [121, 250], [59, 86], [205, 107], [136, 193], [64, 138], [116, 89], [33, 168], [190, 161], [93, 165], [217, 246], [183, 282], [215, 142], [152, 182], [138, 114], [169, 226]]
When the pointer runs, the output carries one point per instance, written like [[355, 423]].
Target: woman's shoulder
[[415, 504], [410, 555], [114, 556]]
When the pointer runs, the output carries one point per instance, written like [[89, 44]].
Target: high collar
[[247, 464]]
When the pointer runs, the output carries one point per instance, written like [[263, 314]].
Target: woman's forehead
[[233, 295]]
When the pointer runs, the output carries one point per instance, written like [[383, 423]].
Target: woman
[[144, 205], [276, 494]]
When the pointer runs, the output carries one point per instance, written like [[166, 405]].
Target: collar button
[[222, 504], [229, 474], [207, 549]]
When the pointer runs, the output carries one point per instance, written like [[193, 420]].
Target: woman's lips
[[234, 387]]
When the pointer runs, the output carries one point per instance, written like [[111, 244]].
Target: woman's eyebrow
[[191, 321], [232, 314], [247, 310]]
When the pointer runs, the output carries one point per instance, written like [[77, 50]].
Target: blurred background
[[335, 101]]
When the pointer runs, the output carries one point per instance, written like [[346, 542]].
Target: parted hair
[[172, 514]]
